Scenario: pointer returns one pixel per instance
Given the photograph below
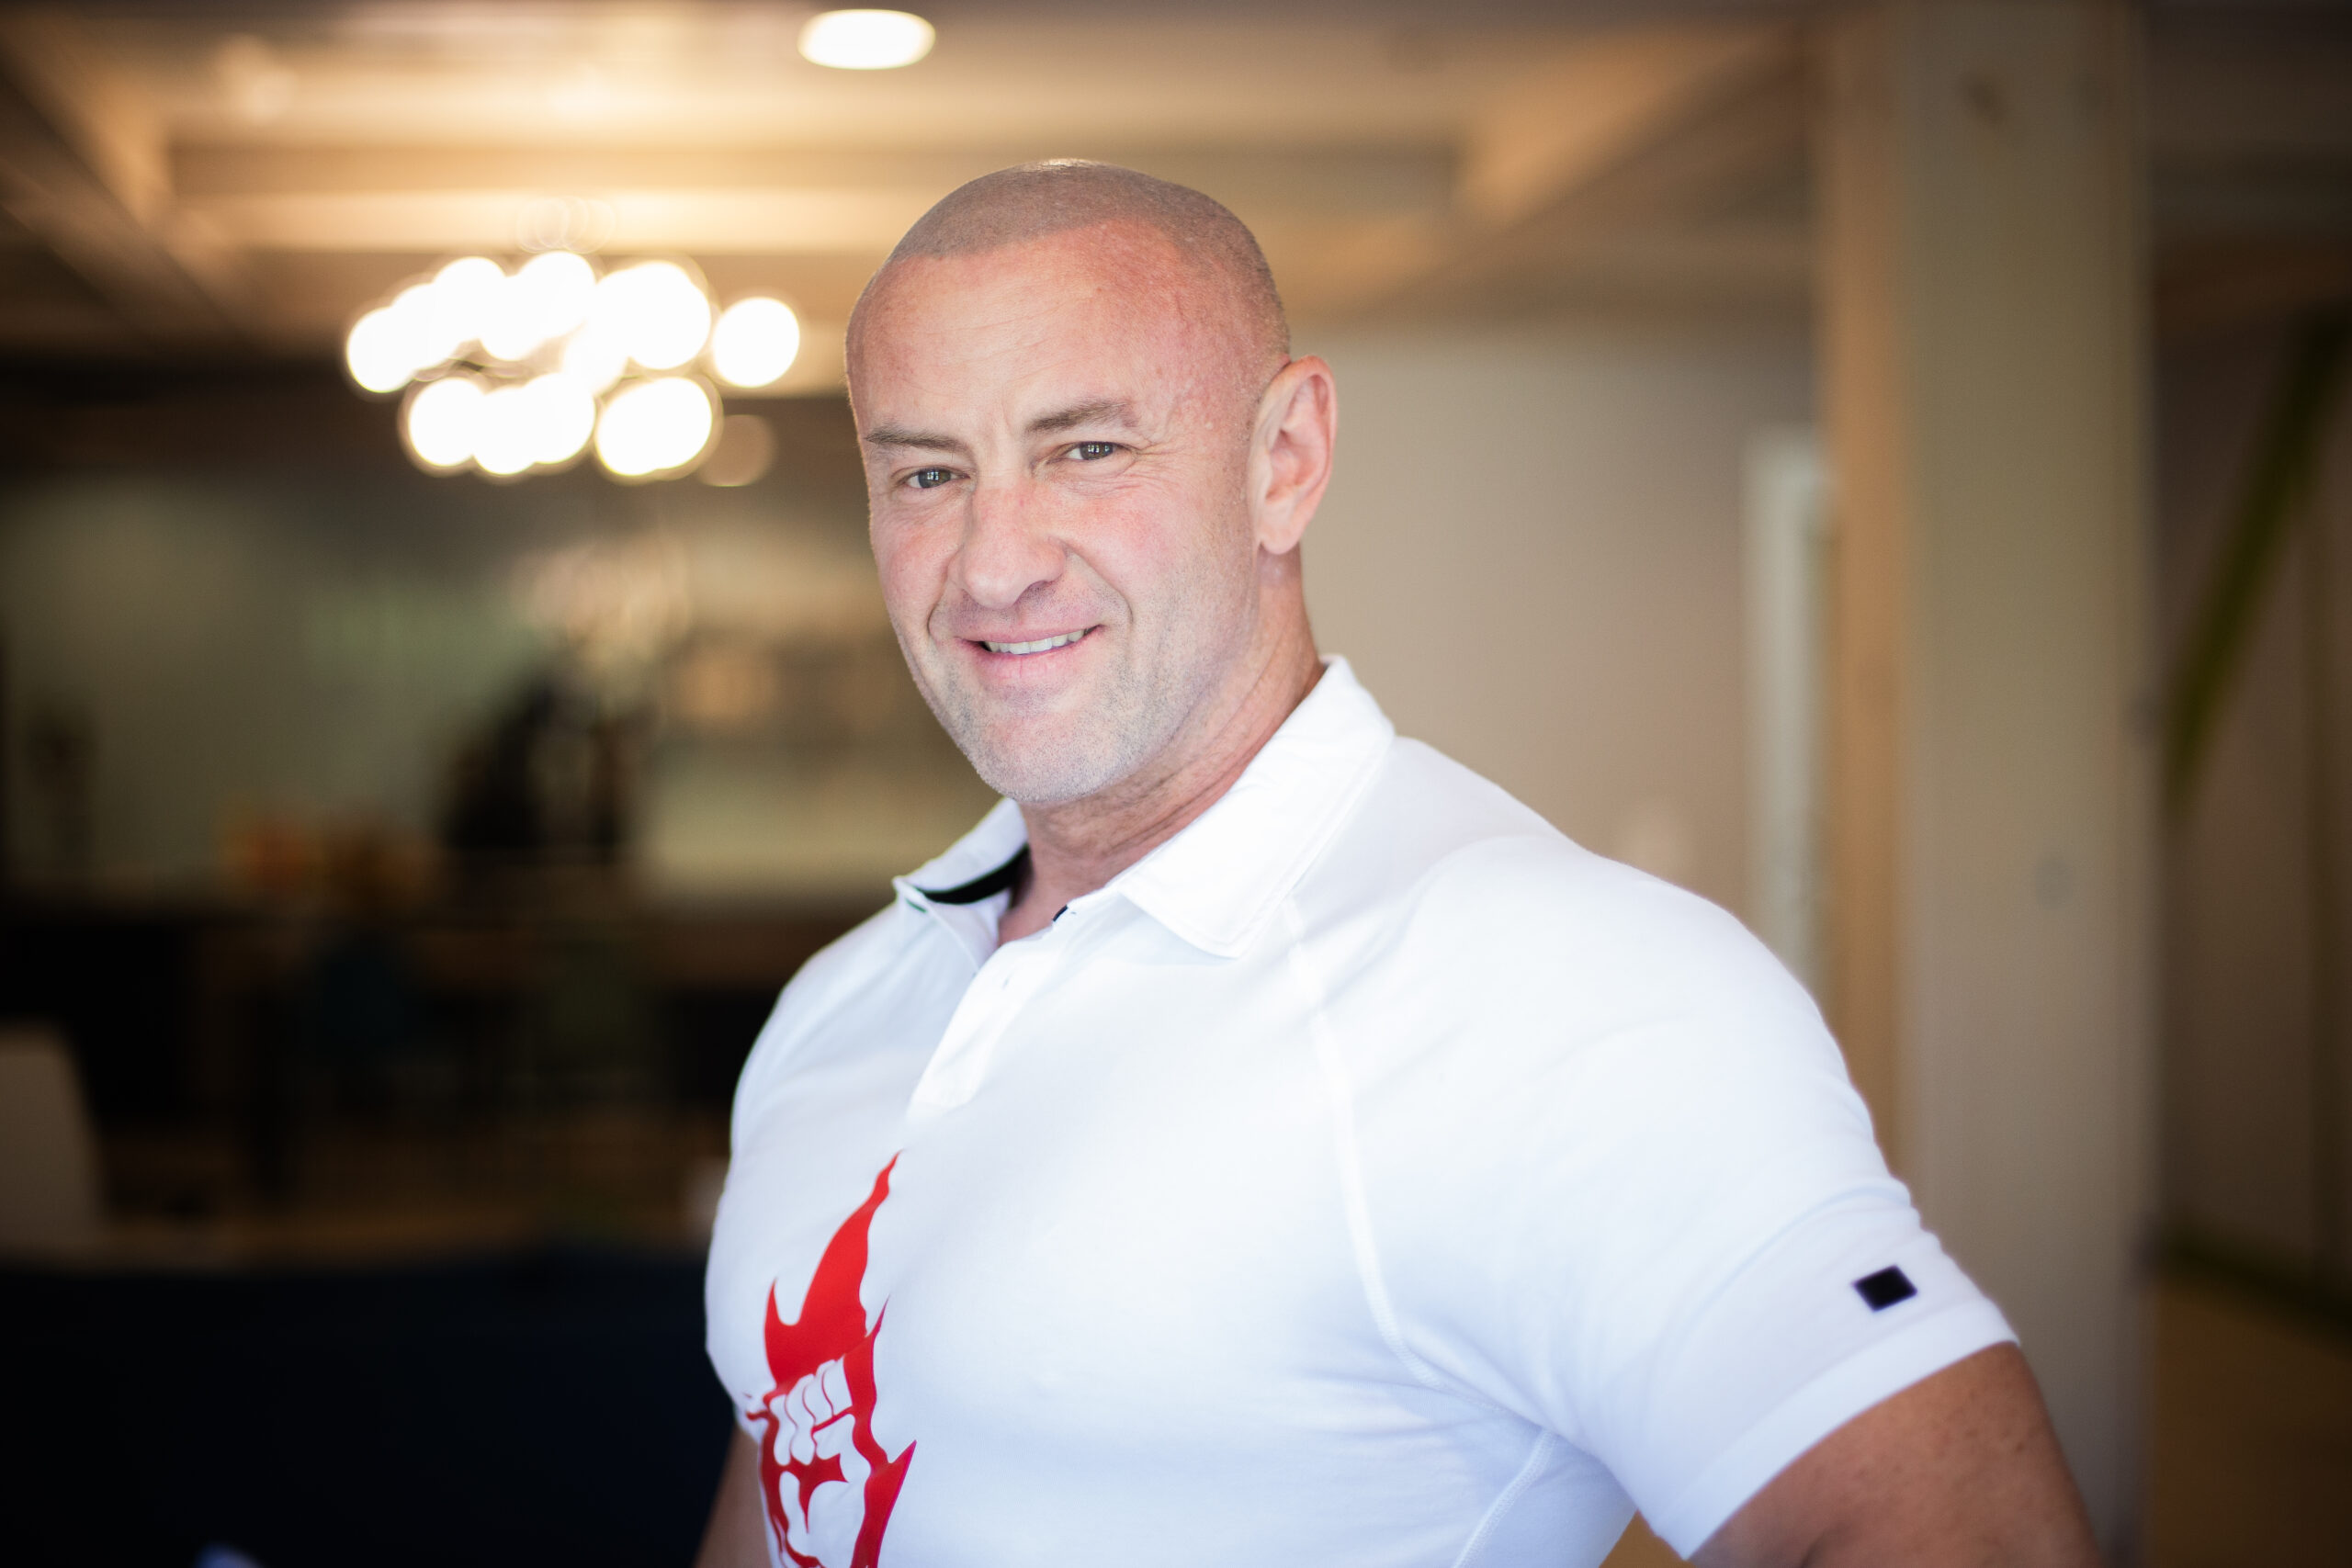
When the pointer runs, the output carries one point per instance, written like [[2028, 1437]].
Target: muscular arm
[[736, 1534], [1961, 1468]]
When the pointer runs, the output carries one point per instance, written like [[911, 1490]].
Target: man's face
[[1056, 438]]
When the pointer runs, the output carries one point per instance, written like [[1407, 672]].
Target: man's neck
[[1079, 847]]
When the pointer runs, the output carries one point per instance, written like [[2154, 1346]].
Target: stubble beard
[[1054, 758]]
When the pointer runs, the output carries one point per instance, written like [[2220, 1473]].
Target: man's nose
[[1009, 545]]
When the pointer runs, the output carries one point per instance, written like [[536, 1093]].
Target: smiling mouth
[[1043, 645]]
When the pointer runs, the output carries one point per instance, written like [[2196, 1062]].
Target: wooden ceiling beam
[[82, 168], [1567, 122], [1315, 179], [777, 201], [1638, 141]]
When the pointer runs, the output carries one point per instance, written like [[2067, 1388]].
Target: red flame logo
[[827, 1481]]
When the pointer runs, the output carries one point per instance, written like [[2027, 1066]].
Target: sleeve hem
[[1818, 1409]]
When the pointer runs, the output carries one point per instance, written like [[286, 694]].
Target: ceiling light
[[441, 422], [381, 352], [512, 330], [466, 298], [504, 443], [597, 357], [563, 416], [510, 374], [754, 342], [420, 324], [655, 426], [866, 40], [656, 311], [547, 297], [556, 288], [391, 343]]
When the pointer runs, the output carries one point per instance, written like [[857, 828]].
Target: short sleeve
[[1619, 1184], [1791, 1349]]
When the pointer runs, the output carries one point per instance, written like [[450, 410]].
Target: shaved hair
[[1034, 200]]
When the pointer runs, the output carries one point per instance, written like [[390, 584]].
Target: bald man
[[1261, 1141]]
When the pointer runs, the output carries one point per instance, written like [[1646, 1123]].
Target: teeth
[[1042, 645]]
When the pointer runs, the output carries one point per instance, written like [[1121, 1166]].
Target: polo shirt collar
[[985, 850], [1216, 883], [1219, 882]]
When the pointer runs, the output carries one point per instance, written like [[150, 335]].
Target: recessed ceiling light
[[866, 40]]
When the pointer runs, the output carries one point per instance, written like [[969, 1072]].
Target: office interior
[[1885, 467]]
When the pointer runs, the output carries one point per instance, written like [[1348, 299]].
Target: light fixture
[[515, 373], [466, 298], [504, 442], [754, 342], [654, 311], [563, 416], [441, 422], [597, 357], [513, 332], [556, 288], [545, 299], [391, 343], [421, 327], [866, 40], [381, 352], [655, 426]]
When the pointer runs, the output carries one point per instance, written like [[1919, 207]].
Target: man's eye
[[1089, 451], [929, 478]]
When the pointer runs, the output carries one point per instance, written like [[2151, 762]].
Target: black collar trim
[[988, 885]]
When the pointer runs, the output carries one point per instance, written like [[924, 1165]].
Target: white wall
[[313, 648], [1532, 554], [235, 644]]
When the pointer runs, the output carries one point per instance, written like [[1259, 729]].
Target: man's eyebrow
[[895, 436], [1111, 410]]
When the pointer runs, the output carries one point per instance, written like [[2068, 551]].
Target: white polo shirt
[[1367, 1176]]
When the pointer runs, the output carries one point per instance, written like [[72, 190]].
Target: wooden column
[[1989, 836]]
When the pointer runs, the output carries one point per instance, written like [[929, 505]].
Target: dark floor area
[[553, 1407]]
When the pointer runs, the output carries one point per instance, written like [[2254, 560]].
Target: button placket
[[1006, 982]]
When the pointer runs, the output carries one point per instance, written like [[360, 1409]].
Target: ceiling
[[207, 179]]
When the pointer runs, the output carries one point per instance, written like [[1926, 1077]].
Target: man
[[1262, 1140]]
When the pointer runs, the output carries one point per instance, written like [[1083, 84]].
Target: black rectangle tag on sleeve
[[1883, 1289]]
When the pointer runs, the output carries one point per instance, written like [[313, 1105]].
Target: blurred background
[[1883, 466]]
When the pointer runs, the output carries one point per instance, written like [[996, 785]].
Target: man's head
[[1084, 430]]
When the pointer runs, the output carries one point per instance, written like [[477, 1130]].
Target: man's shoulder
[[1421, 811], [850, 971], [838, 966], [1441, 873], [1431, 832]]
